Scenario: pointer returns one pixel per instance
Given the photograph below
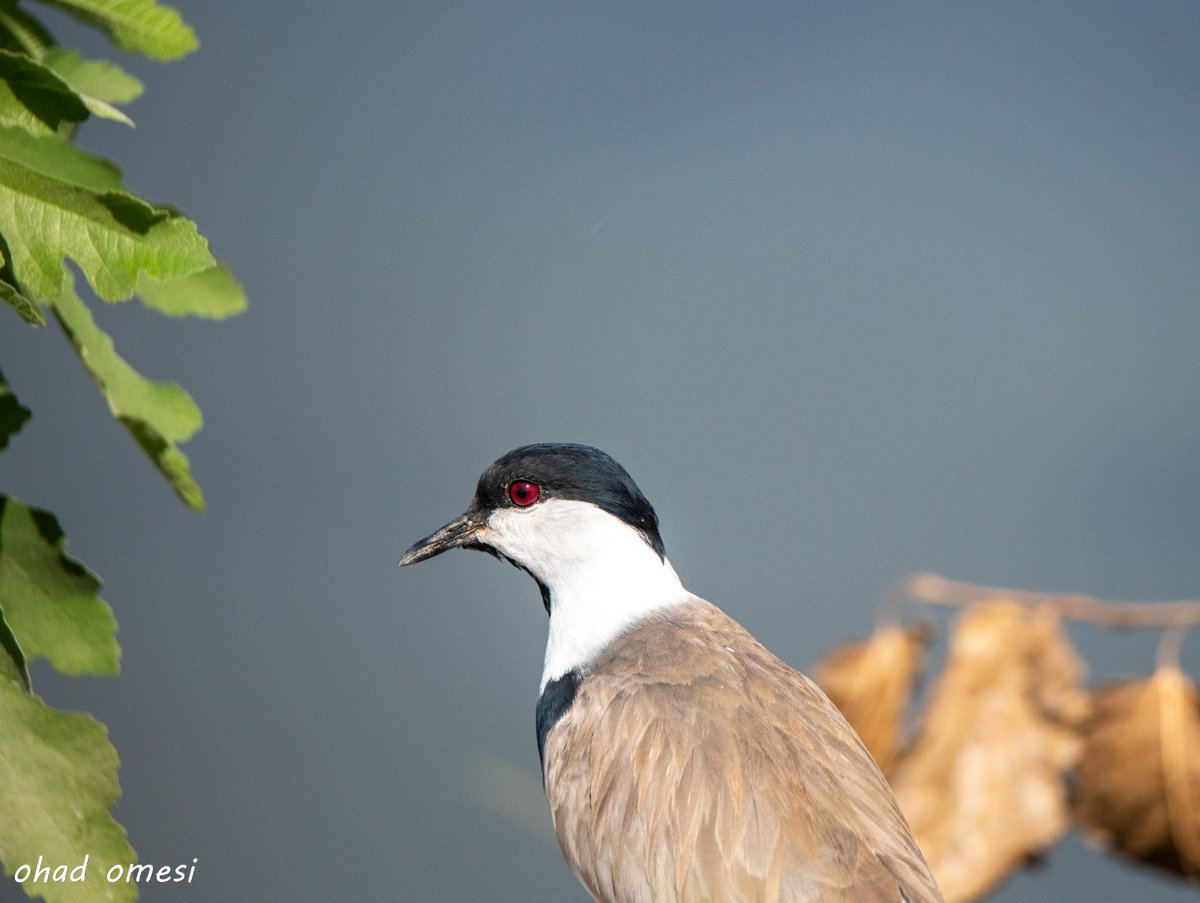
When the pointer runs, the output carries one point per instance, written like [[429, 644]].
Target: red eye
[[523, 493]]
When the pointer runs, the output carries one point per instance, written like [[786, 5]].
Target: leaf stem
[[933, 589], [1167, 654]]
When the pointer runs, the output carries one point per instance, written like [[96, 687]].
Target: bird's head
[[556, 511]]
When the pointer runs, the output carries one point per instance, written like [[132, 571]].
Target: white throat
[[602, 575]]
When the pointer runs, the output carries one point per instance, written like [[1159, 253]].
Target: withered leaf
[[983, 784], [1139, 778], [871, 682]]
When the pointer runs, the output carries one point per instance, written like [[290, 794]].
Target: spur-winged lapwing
[[682, 760]]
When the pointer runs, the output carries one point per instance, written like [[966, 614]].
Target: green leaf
[[58, 781], [50, 600], [59, 159], [12, 413], [21, 32], [137, 26], [41, 86], [212, 293], [157, 414], [27, 310], [14, 112], [12, 659], [93, 78], [105, 110], [106, 77], [35, 98], [112, 236]]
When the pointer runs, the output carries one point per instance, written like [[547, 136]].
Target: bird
[[682, 761]]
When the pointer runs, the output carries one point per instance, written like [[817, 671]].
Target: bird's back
[[694, 765]]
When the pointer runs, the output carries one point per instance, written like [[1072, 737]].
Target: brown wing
[[694, 765]]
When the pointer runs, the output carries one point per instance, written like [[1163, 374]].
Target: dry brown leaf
[[871, 682], [983, 785], [1139, 778]]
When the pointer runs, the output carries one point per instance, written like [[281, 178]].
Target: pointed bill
[[460, 532]]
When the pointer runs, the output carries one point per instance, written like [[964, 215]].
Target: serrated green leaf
[[50, 599], [21, 32], [34, 98], [12, 659], [137, 26], [211, 293], [112, 236], [58, 781], [25, 308], [13, 414], [100, 79], [157, 414], [58, 158]]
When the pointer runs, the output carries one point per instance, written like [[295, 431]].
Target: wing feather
[[694, 765]]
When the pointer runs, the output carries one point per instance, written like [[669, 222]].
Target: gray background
[[853, 290]]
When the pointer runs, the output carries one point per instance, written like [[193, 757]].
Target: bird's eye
[[523, 493]]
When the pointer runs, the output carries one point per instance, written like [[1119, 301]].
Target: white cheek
[[602, 574], [557, 536]]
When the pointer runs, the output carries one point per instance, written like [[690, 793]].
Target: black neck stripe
[[556, 698]]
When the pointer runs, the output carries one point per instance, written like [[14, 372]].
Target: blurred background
[[852, 290]]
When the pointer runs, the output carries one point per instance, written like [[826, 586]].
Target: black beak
[[460, 532]]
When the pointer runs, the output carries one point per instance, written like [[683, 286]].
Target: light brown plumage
[[694, 765]]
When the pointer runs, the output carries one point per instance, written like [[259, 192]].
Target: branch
[[933, 589]]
